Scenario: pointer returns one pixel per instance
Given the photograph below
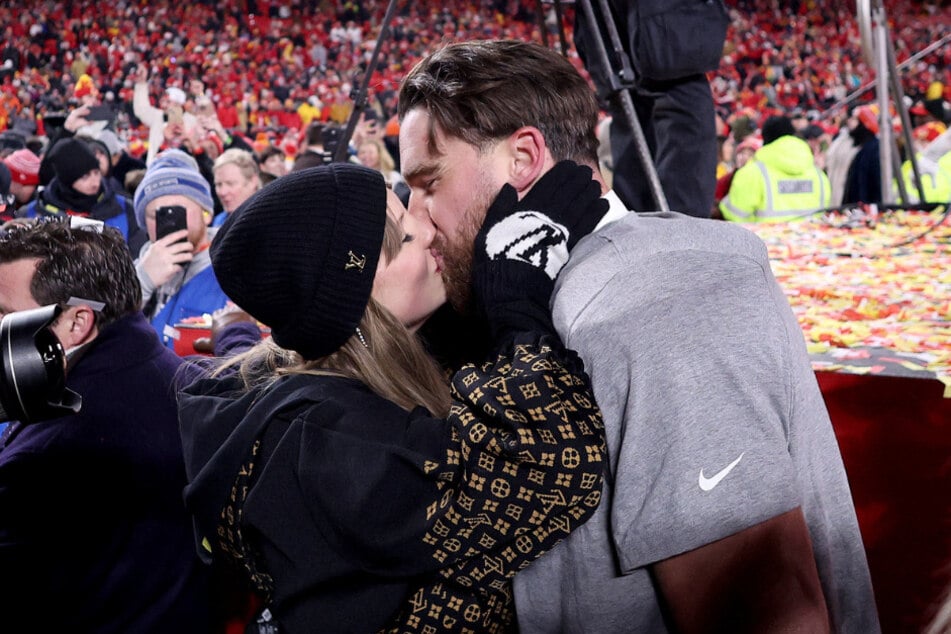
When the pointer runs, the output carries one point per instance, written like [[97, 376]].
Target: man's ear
[[76, 325], [530, 158]]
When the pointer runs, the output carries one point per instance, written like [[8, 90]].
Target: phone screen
[[170, 219], [100, 113]]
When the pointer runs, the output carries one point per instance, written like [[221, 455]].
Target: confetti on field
[[870, 299]]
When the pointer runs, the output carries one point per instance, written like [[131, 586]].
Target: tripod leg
[[620, 77]]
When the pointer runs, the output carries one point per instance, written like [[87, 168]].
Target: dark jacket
[[94, 536], [348, 512], [111, 207]]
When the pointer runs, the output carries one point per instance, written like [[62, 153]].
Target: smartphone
[[170, 219], [101, 113]]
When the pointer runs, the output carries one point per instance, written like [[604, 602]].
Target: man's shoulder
[[639, 237], [633, 259]]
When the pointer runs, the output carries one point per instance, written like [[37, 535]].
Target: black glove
[[543, 227], [522, 246]]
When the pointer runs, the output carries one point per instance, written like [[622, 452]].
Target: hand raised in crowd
[[166, 256], [141, 73], [76, 119]]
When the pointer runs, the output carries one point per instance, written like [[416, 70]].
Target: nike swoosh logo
[[707, 484]]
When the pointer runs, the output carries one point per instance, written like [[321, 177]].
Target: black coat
[[94, 536]]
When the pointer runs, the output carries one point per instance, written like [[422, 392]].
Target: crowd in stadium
[[168, 120], [271, 67]]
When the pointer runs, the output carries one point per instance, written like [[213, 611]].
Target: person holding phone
[[173, 202]]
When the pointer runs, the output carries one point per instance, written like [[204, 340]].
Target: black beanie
[[300, 255], [776, 127], [72, 159]]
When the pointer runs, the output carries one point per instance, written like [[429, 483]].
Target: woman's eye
[[407, 238]]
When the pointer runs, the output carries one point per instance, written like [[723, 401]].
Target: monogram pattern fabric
[[526, 471], [523, 468]]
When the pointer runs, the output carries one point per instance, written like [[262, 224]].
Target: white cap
[[176, 95]]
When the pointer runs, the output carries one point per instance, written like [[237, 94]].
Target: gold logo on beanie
[[356, 261]]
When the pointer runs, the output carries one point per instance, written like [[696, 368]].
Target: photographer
[[93, 535]]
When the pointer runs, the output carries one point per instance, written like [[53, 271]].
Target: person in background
[[671, 45], [24, 168], [741, 156], [237, 176], [175, 271], [94, 535], [78, 189], [122, 162], [272, 163], [373, 153], [102, 154], [780, 183], [367, 489], [839, 156], [933, 156], [863, 182], [168, 122], [315, 152], [726, 503]]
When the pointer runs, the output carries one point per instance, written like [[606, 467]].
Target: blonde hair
[[393, 364], [242, 159], [387, 164]]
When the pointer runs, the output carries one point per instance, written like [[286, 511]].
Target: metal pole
[[360, 94], [885, 136], [898, 95]]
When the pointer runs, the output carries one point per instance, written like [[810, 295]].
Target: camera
[[33, 370]]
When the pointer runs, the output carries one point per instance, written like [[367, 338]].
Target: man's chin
[[459, 294]]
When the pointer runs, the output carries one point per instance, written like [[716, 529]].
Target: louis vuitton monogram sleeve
[[526, 470]]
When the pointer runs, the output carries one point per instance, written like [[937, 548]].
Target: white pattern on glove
[[532, 237]]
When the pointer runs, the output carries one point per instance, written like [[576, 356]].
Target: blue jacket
[[199, 295]]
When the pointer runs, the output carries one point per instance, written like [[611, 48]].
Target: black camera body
[[33, 369]]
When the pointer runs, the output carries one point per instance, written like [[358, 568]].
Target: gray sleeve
[[687, 352], [148, 286]]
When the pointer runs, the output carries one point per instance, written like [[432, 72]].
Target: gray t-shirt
[[714, 422]]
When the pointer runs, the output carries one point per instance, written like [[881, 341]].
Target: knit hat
[[24, 167], [868, 116], [172, 172], [300, 255], [72, 159], [84, 86], [111, 141], [776, 127]]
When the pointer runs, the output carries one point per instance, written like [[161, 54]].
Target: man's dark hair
[[268, 152], [483, 91], [315, 132], [75, 262]]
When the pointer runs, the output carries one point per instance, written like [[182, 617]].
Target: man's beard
[[457, 250]]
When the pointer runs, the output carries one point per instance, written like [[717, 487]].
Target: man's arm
[[762, 579]]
